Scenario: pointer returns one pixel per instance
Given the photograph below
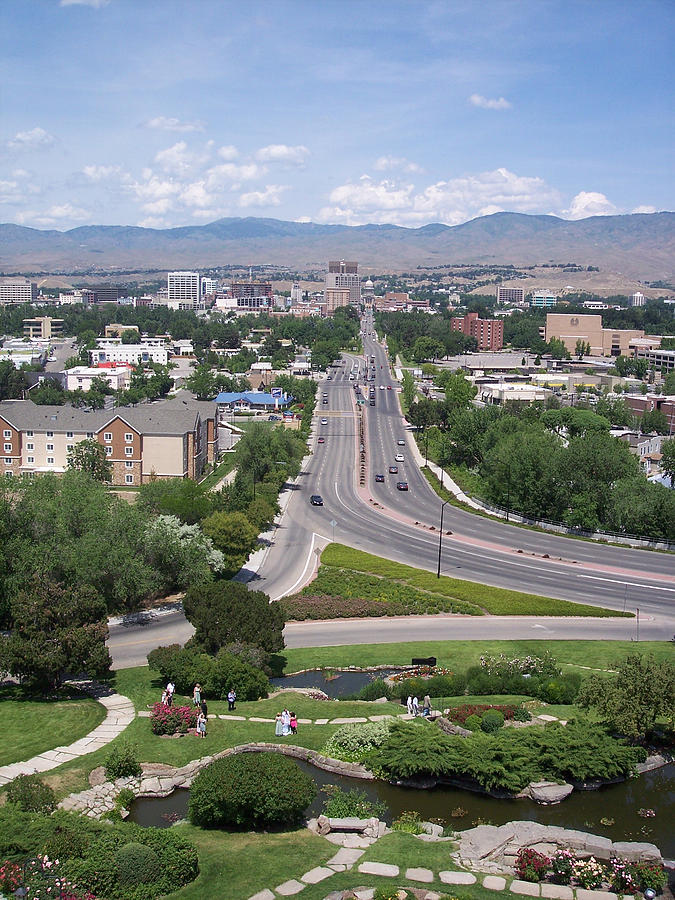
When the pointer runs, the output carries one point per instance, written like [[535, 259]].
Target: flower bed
[[504, 665], [617, 875], [460, 714], [420, 672], [172, 719]]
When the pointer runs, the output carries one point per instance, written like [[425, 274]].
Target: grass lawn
[[221, 470], [459, 655], [31, 726], [497, 601], [396, 847]]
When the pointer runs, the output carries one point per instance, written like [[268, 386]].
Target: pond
[[582, 810], [335, 683]]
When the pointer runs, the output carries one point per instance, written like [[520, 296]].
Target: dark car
[[316, 500], [401, 485], [379, 477], [393, 470], [372, 403], [321, 440]]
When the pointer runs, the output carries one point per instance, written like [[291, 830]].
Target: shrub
[[492, 721], [520, 714], [589, 873], [136, 864], [216, 674], [530, 865], [172, 719], [374, 690], [651, 876], [472, 722], [31, 794], [503, 665], [121, 761], [460, 714], [10, 877], [353, 742], [340, 804], [390, 893], [250, 790], [409, 821], [125, 798], [562, 866]]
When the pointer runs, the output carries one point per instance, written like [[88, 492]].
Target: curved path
[[120, 713]]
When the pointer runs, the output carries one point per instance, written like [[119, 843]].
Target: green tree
[[182, 553], [459, 392], [226, 612], [12, 381], [89, 456], [202, 382], [181, 497], [642, 691], [654, 420], [668, 458], [57, 631], [408, 388], [427, 348], [130, 336], [48, 393], [557, 349], [233, 534], [669, 384]]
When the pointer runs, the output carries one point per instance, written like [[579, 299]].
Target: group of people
[[413, 705], [285, 723]]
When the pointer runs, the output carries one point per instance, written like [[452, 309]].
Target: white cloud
[[180, 160], [210, 214], [452, 202], [387, 163], [229, 152], [589, 203], [170, 123], [100, 173], [153, 222], [95, 4], [59, 214], [231, 174], [34, 139], [158, 207], [282, 153], [10, 192], [154, 187], [271, 196], [489, 103], [20, 173], [645, 209], [195, 194]]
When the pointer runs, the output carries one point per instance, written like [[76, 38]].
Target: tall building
[[335, 297], [208, 286], [240, 289], [17, 291], [368, 292], [42, 328], [489, 333], [296, 294], [637, 299], [510, 294], [183, 287], [343, 274], [543, 299]]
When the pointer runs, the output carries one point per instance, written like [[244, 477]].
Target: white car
[[324, 421], [399, 457], [381, 387], [401, 443]]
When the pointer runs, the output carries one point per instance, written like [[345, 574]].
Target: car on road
[[324, 421], [274, 418], [381, 387], [372, 403], [393, 470], [329, 378], [388, 387], [322, 440], [316, 500], [379, 477], [401, 485], [401, 442], [399, 457], [325, 400]]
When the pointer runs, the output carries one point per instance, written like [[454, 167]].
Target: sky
[[165, 113]]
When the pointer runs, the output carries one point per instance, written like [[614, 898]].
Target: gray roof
[[170, 417]]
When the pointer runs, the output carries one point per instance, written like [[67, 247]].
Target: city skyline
[[166, 114]]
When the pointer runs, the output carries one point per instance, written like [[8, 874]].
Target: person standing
[[197, 695], [426, 705], [231, 697], [286, 722], [410, 706], [278, 726], [294, 723], [204, 708], [170, 690], [201, 725], [415, 706]]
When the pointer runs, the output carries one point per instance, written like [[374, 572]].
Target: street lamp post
[[440, 537], [426, 447]]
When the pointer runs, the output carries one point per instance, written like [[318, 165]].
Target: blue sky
[[177, 112]]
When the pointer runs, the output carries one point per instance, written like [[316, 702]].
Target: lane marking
[[304, 571]]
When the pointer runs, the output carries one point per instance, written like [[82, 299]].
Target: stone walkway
[[120, 713], [146, 713]]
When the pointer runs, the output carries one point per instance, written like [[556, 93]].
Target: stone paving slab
[[418, 874], [348, 720], [321, 721], [557, 892], [380, 718], [346, 856], [289, 888], [457, 877], [233, 718], [317, 874], [259, 719], [595, 895], [494, 883], [263, 895], [527, 888], [144, 713], [376, 868], [304, 721]]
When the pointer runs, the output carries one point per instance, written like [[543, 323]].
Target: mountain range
[[640, 246]]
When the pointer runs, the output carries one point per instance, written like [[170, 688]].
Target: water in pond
[[582, 810], [333, 682]]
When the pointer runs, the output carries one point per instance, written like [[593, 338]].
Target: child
[[201, 725], [294, 723]]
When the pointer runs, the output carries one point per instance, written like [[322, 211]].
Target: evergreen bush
[[136, 864], [354, 741], [31, 794], [121, 761], [492, 721], [216, 674], [250, 790], [341, 804]]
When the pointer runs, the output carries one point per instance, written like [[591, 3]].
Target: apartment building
[[17, 291], [112, 350], [510, 295], [335, 297], [183, 287], [81, 377], [42, 328], [168, 439], [543, 299], [489, 333]]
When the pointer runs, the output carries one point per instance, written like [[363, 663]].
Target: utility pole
[[440, 537]]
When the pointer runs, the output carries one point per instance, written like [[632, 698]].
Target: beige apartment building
[[604, 341], [167, 439], [42, 328]]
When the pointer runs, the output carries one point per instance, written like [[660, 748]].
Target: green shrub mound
[[31, 794], [473, 722], [121, 761], [352, 743], [343, 804], [216, 674], [95, 856], [250, 790], [136, 864], [492, 721], [549, 688], [508, 759]]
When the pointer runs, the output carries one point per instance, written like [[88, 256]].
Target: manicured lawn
[[497, 601], [219, 472], [31, 726], [406, 850], [459, 655]]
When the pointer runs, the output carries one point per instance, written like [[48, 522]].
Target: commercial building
[[112, 350], [543, 299], [637, 299], [504, 392], [588, 328], [343, 274], [168, 439], [510, 294], [659, 359], [489, 333], [251, 400], [42, 328], [335, 297], [183, 287], [17, 291], [208, 286], [251, 289], [642, 403]]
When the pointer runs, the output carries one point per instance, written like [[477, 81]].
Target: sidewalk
[[120, 713]]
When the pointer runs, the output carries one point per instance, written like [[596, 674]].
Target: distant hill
[[638, 246]]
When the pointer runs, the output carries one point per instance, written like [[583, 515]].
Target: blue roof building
[[252, 400]]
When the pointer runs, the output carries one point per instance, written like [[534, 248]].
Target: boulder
[[548, 792]]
